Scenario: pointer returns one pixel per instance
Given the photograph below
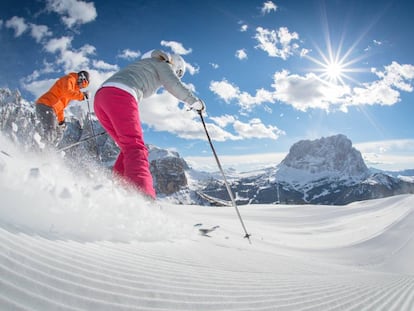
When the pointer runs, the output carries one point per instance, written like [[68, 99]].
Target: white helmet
[[178, 65]]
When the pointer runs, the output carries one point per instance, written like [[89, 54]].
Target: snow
[[74, 240]]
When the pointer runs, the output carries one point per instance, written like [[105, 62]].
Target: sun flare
[[335, 64], [333, 71]]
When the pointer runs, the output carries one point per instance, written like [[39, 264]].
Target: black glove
[[62, 126]]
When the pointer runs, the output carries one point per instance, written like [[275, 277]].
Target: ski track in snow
[[354, 257]]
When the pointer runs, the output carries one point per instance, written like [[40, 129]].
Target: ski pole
[[81, 141], [92, 129], [233, 201]]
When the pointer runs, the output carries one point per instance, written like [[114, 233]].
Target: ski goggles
[[83, 80]]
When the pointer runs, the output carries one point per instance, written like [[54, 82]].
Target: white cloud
[[397, 75], [268, 6], [76, 59], [241, 54], [176, 47], [46, 69], [58, 44], [129, 54], [304, 52], [214, 65], [242, 163], [70, 59], [73, 12], [244, 28], [38, 32], [18, 24], [305, 92], [383, 146], [386, 90], [192, 70], [311, 92], [162, 112], [388, 154], [101, 65], [229, 92], [277, 43], [256, 129], [377, 92], [286, 37], [224, 120], [225, 90]]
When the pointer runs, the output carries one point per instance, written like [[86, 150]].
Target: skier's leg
[[119, 165], [100, 108], [121, 111], [47, 119], [131, 141]]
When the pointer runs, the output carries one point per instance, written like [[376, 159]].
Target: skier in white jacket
[[116, 106]]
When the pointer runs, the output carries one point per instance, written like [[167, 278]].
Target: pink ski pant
[[118, 113]]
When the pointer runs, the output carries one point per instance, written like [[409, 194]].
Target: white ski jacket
[[147, 75]]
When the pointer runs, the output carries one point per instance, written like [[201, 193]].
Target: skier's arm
[[174, 85], [72, 90]]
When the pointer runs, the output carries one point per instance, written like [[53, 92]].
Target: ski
[[213, 200], [207, 230], [5, 153]]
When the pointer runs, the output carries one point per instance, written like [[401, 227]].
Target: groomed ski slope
[[75, 241]]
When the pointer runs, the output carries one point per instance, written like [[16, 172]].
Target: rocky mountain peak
[[327, 157]]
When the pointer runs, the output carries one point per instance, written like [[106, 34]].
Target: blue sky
[[270, 72]]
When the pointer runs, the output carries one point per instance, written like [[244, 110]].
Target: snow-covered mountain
[[323, 171], [326, 158]]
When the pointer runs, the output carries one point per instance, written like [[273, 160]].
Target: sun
[[332, 67], [336, 65], [336, 68], [333, 71]]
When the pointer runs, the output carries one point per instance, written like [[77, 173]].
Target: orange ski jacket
[[61, 93]]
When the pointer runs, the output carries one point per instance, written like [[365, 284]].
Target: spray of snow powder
[[41, 194]]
